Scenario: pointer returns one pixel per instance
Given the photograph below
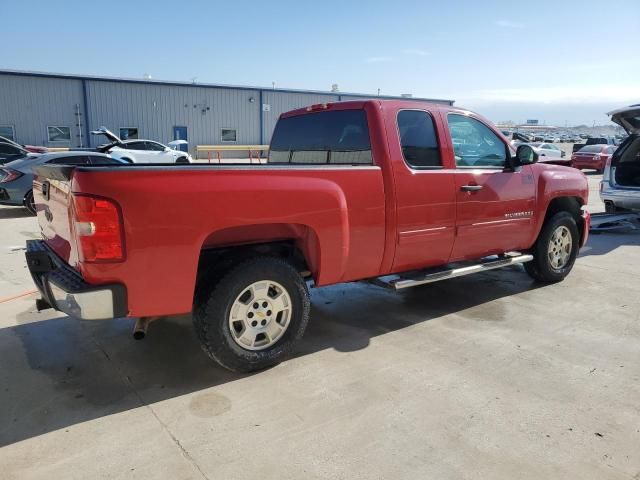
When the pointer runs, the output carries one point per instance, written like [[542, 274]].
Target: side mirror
[[525, 155]]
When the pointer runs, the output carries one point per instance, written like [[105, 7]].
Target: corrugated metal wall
[[281, 102], [31, 104], [156, 109]]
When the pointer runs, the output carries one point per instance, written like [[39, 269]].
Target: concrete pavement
[[489, 376]]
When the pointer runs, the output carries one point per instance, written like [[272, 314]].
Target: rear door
[[155, 152], [424, 189], [138, 151], [494, 204]]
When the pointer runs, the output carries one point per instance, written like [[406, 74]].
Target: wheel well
[[213, 261], [24, 199], [566, 204]]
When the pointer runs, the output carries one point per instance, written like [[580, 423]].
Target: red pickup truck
[[396, 192]]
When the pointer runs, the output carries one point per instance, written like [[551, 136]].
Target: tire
[[241, 337], [553, 266], [182, 160], [29, 202]]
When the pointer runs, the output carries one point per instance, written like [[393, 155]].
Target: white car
[[140, 150]]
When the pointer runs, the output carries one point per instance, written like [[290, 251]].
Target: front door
[[494, 204], [424, 188], [180, 133]]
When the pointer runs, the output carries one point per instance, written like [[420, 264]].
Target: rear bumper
[[63, 289], [628, 199], [589, 164]]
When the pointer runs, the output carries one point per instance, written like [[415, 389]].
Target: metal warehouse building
[[58, 110]]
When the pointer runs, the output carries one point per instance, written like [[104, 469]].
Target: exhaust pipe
[[140, 329]]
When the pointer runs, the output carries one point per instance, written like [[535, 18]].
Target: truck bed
[[171, 213]]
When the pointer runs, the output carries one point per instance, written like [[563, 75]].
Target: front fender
[[556, 182]]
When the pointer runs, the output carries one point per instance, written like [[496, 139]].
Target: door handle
[[471, 188]]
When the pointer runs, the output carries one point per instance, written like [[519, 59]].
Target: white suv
[[620, 186], [139, 150]]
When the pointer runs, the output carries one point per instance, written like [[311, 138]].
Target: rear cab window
[[339, 137]]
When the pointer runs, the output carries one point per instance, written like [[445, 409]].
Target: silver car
[[548, 150], [16, 178], [620, 186]]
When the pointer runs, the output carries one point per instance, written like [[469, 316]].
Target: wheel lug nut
[[256, 305], [250, 314], [265, 304], [268, 312], [264, 322], [254, 324]]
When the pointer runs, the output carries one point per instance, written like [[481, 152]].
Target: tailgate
[[52, 196]]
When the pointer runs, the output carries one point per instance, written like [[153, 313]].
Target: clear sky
[[557, 61]]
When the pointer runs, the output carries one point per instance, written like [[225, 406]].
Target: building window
[[7, 131], [128, 133], [228, 135], [59, 134]]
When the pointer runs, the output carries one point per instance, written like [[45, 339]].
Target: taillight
[[98, 226], [9, 175]]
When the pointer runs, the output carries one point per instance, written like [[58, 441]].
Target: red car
[[398, 193], [592, 157]]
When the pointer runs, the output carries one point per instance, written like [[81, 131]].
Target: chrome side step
[[430, 276]]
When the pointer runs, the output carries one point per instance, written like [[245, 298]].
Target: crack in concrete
[[126, 380]]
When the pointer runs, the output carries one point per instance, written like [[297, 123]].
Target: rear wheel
[[252, 316], [555, 250], [29, 202]]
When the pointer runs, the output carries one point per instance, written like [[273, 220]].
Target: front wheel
[[252, 317], [555, 250]]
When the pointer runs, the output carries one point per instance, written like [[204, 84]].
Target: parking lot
[[487, 376]]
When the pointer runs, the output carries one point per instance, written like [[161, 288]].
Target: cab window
[[339, 137], [418, 139], [475, 144]]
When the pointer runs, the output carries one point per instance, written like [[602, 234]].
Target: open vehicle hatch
[[627, 117]]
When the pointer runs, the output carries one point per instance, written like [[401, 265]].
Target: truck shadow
[[603, 243], [60, 372], [15, 212]]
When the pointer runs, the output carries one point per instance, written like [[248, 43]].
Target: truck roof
[[383, 103]]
